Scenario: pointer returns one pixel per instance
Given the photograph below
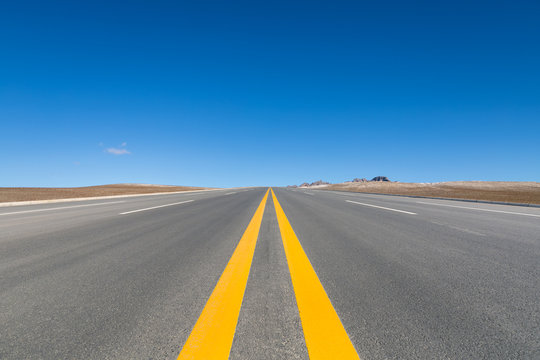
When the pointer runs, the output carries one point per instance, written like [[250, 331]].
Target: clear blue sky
[[232, 93]]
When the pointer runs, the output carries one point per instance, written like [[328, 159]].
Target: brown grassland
[[30, 194], [503, 191]]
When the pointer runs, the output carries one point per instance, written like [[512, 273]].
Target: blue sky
[[232, 93]]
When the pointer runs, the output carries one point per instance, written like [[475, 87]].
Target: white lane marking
[[458, 228], [305, 192], [231, 193], [60, 208], [382, 207], [154, 207], [54, 201], [471, 208]]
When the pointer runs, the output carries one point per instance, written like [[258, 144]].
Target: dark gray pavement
[[446, 283], [435, 280], [269, 325], [89, 283]]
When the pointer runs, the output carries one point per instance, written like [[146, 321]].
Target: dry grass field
[[504, 191], [30, 194]]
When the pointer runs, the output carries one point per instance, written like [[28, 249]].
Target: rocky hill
[[321, 183], [315, 183]]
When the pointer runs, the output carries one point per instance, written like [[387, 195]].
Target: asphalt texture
[[434, 280]]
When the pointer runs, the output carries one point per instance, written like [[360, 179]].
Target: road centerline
[[325, 336], [382, 207], [213, 333], [155, 207]]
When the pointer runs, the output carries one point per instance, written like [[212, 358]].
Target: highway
[[236, 274]]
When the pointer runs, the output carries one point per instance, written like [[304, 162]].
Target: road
[[378, 277]]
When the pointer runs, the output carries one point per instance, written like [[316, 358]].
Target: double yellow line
[[212, 335]]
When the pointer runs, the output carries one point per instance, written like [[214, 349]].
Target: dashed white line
[[471, 208], [155, 207], [231, 193], [382, 207], [458, 228], [60, 208]]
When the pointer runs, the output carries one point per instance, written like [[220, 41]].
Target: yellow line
[[212, 335], [324, 333]]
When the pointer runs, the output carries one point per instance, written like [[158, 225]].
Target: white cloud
[[124, 144], [116, 151]]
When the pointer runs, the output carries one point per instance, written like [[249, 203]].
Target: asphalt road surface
[[222, 273]]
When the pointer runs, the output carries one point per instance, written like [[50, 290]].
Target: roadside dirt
[[504, 191], [29, 194]]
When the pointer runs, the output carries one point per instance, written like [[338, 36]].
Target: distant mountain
[[315, 183], [319, 182], [355, 180]]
